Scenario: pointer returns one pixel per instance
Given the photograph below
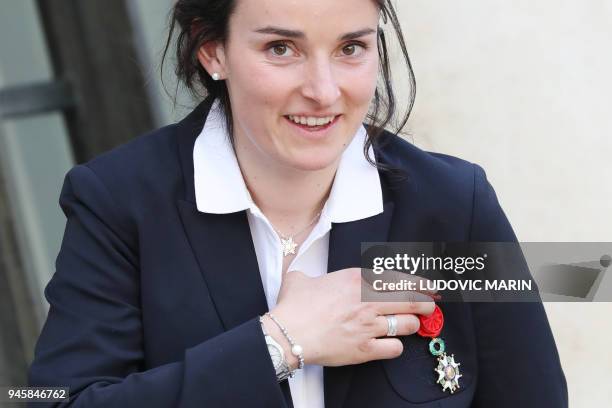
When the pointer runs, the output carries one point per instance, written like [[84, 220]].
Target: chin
[[313, 162]]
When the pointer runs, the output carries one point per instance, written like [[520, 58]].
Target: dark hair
[[201, 21]]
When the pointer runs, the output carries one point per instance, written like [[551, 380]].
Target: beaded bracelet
[[296, 349]]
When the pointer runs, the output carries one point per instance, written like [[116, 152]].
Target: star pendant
[[288, 245]]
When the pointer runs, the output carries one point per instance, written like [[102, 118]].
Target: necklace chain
[[302, 230]]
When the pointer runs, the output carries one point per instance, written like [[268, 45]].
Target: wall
[[522, 88]]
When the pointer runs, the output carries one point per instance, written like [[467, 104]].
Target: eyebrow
[[283, 32]]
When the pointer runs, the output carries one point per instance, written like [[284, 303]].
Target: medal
[[447, 368]]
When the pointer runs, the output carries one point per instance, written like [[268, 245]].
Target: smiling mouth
[[312, 124]]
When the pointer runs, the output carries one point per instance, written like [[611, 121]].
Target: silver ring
[[391, 325]]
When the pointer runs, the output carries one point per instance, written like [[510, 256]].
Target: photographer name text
[[467, 285]]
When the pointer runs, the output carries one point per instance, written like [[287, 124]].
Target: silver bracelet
[[296, 349]]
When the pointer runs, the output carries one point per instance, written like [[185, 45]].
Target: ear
[[212, 57]]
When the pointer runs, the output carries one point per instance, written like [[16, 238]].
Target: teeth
[[311, 121]]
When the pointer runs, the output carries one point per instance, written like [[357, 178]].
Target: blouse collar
[[220, 188]]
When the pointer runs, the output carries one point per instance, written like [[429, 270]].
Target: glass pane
[[34, 150]]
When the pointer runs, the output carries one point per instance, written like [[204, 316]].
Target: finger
[[407, 324], [369, 294], [389, 279], [405, 303], [386, 348], [420, 282]]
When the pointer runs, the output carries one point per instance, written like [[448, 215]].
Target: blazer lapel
[[345, 252], [224, 249]]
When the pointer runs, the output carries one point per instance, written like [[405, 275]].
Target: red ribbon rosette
[[431, 325]]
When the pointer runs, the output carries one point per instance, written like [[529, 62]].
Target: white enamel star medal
[[447, 368], [288, 246]]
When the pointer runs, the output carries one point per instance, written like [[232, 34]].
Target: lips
[[312, 123], [314, 132], [311, 120]]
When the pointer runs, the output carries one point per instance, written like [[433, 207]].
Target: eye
[[349, 49], [279, 49], [353, 49]]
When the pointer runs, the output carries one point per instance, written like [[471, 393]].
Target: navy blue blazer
[[155, 304]]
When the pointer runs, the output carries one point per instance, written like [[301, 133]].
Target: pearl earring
[[216, 76]]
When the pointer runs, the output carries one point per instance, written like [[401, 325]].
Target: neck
[[290, 198]]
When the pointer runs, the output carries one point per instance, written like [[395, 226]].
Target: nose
[[320, 84]]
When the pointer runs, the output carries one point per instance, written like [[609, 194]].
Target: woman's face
[[300, 60]]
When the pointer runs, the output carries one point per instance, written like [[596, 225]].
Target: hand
[[326, 317]]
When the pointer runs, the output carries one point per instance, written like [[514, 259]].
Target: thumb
[[385, 348]]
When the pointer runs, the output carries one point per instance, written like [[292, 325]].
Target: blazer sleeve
[[92, 339], [518, 363]]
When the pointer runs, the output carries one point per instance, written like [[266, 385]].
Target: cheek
[[359, 82], [258, 84], [256, 92]]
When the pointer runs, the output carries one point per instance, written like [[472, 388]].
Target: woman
[[178, 243]]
